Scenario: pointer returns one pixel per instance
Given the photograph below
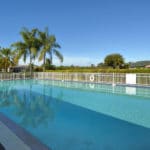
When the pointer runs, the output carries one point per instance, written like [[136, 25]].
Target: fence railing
[[14, 76], [143, 79], [139, 79], [83, 77]]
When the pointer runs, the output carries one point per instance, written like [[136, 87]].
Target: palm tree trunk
[[44, 62], [51, 58], [30, 65]]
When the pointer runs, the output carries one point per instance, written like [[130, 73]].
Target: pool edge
[[22, 134]]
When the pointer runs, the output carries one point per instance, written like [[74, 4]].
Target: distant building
[[18, 68], [147, 66]]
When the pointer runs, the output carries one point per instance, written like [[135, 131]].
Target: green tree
[[49, 46], [114, 60], [48, 65], [29, 47], [7, 58]]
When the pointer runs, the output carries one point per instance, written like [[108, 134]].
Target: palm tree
[[7, 58], [53, 49], [29, 47], [49, 46]]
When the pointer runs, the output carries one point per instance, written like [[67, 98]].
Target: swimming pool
[[79, 116]]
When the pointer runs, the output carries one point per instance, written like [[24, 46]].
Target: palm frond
[[41, 57], [58, 54]]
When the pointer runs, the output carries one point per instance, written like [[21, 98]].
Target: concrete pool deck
[[14, 137]]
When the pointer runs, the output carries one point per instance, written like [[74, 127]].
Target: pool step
[[9, 140], [14, 137]]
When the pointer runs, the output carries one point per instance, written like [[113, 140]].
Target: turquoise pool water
[[79, 116]]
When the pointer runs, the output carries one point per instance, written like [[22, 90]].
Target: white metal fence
[[83, 77], [139, 79], [14, 76]]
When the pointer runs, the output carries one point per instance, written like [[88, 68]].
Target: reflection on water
[[136, 91], [32, 108]]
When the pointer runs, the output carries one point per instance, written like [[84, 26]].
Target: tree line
[[35, 44]]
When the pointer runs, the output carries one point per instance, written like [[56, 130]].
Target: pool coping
[[22, 134]]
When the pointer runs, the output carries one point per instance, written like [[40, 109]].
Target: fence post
[[13, 76], [113, 84], [24, 75]]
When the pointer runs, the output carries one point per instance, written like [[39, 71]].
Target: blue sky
[[87, 30]]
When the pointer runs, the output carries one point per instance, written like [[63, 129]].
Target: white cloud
[[77, 61], [68, 60]]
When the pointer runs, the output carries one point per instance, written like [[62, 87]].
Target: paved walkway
[[9, 140]]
